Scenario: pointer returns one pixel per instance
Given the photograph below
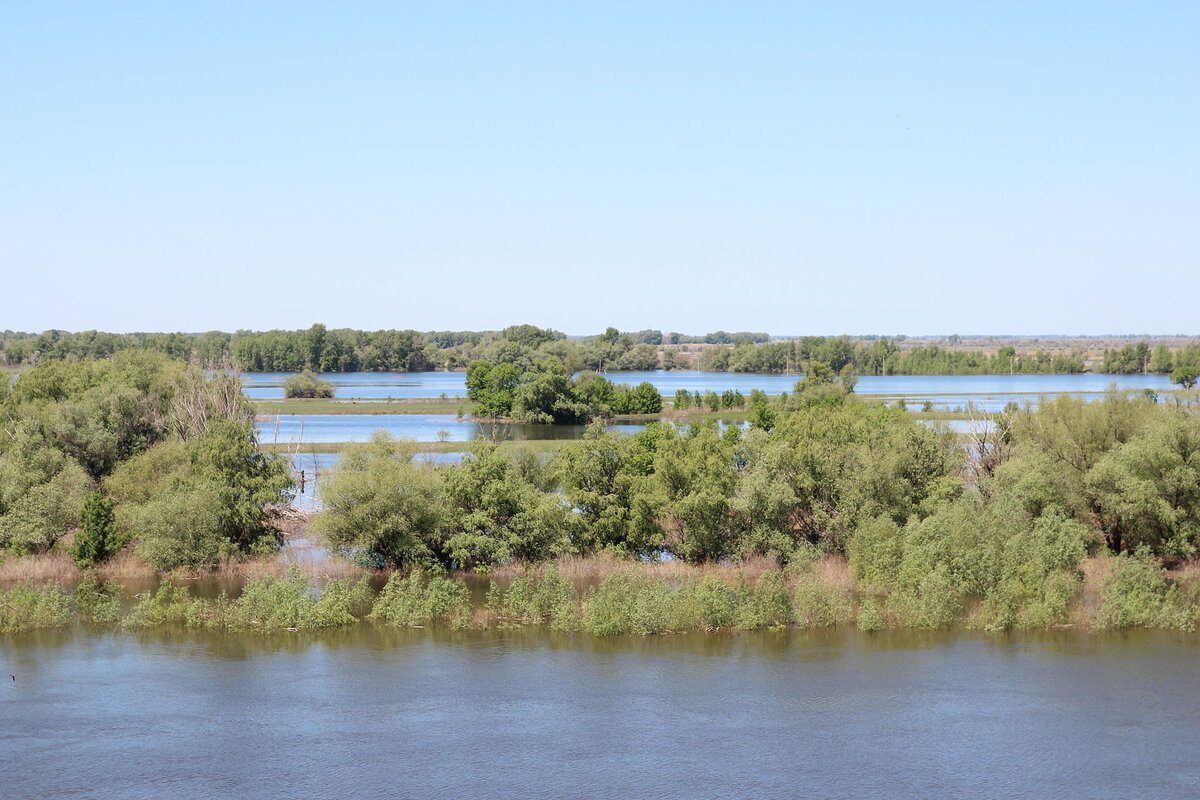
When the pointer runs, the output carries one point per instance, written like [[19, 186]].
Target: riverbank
[[597, 595]]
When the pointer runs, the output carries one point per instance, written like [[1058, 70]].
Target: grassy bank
[[603, 596]]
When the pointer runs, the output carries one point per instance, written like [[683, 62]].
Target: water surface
[[382, 385], [368, 713]]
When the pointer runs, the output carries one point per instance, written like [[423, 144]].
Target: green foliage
[[97, 538], [537, 597], [1137, 593], [97, 601], [497, 515], [195, 505], [766, 604], [27, 607], [632, 602], [1185, 376], [870, 615], [816, 605], [45, 512], [934, 602], [423, 598], [286, 603], [642, 399], [169, 604], [151, 429], [605, 477], [379, 502], [306, 384]]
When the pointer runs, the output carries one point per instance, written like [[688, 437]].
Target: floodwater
[[326, 428], [368, 712], [955, 388]]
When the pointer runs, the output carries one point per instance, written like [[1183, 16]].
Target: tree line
[[322, 349]]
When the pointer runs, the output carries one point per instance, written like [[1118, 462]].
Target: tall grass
[[637, 599]]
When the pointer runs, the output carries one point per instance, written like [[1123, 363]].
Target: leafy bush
[[290, 602], [98, 601], [870, 615], [306, 385], [423, 598], [767, 604], [377, 500], [1136, 594], [935, 602], [538, 597], [818, 606], [170, 603], [28, 607]]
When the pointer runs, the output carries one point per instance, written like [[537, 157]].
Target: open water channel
[[370, 713]]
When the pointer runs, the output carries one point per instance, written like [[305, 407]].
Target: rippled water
[[367, 713]]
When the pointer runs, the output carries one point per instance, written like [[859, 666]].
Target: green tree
[[1185, 376], [97, 538], [379, 504], [1161, 361], [496, 515]]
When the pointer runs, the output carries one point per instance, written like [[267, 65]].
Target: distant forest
[[322, 349]]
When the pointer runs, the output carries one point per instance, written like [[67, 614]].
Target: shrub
[[818, 606], [934, 603], [28, 607], [870, 615], [180, 528], [422, 598], [97, 600], [539, 597], [289, 602], [306, 385], [1135, 594], [170, 603], [765, 605]]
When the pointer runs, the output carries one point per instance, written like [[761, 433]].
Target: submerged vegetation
[[624, 599]]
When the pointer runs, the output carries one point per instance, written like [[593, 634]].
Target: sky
[[796, 168]]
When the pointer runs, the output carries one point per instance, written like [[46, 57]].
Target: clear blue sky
[[856, 167]]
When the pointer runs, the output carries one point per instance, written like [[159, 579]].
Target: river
[[369, 713]]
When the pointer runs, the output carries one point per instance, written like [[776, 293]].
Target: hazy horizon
[[585, 334]]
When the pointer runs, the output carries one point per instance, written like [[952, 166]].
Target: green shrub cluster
[[136, 448], [306, 384], [421, 598], [268, 604], [29, 607]]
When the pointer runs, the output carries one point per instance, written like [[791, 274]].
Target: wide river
[[371, 713]]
